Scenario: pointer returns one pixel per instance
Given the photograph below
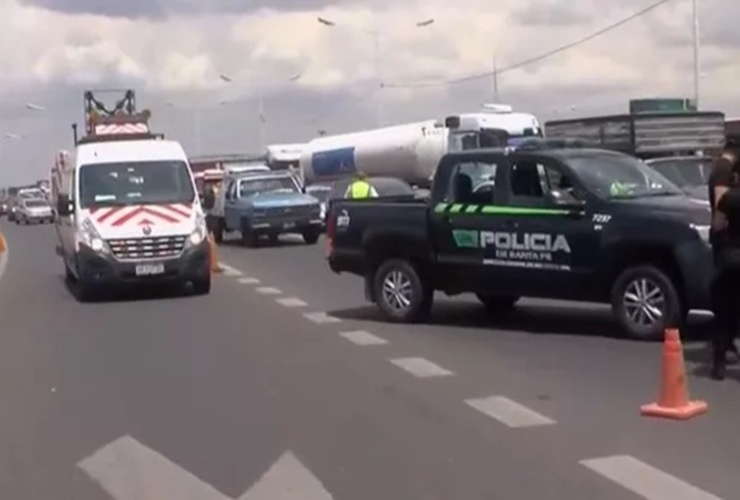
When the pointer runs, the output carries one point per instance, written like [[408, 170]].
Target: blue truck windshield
[[249, 187], [135, 183]]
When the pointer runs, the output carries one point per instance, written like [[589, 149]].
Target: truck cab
[[572, 224]]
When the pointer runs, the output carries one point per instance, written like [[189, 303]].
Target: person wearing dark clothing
[[724, 198]]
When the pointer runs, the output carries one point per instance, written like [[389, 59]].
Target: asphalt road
[[119, 398]]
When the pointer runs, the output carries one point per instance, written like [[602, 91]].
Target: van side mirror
[[64, 206], [209, 199]]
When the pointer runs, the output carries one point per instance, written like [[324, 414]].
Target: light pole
[[260, 104], [376, 34], [697, 45], [196, 126]]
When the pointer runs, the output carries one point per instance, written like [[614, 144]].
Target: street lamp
[[376, 34], [261, 103]]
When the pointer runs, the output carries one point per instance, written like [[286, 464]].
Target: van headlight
[[89, 236], [200, 233], [702, 230]]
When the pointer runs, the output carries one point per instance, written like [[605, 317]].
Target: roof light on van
[[498, 108]]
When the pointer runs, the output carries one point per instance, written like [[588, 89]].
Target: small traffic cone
[[673, 401], [2, 243], [213, 254]]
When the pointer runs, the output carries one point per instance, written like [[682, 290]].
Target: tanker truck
[[411, 152]]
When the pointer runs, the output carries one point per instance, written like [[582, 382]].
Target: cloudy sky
[[173, 51]]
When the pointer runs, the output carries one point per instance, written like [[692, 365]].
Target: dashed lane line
[[268, 290], [645, 480], [229, 271], [321, 318], [291, 302], [509, 412], [421, 368], [249, 281], [363, 338]]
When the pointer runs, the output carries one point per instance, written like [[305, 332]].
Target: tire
[[86, 291], [249, 238], [68, 276], [202, 286], [418, 293], [496, 304], [218, 231], [311, 236], [662, 294]]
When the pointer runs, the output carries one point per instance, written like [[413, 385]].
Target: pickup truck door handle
[[511, 224]]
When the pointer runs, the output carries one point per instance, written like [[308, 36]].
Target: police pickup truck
[[564, 223]]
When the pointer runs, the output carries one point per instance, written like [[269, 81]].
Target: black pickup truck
[[572, 223]]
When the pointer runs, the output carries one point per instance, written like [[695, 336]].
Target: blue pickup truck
[[264, 204]]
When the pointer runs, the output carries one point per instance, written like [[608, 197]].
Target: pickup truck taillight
[[330, 229]]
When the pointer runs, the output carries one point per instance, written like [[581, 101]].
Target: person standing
[[360, 188], [724, 198]]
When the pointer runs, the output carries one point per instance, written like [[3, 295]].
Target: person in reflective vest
[[360, 188]]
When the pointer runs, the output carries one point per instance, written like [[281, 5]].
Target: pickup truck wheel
[[311, 236], [218, 231], [497, 304], [645, 301], [401, 293], [249, 237]]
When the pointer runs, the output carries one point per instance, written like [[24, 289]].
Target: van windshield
[[135, 183]]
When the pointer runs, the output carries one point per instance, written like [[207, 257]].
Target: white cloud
[[50, 56]]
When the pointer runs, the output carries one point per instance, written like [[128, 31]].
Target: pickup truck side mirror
[[64, 206], [565, 198], [209, 199]]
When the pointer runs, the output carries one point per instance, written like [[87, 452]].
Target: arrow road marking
[[129, 470]]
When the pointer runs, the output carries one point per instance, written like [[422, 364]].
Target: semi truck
[[411, 152]]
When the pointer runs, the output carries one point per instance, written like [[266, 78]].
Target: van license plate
[[149, 269], [289, 225]]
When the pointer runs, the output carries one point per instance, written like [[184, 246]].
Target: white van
[[128, 212]]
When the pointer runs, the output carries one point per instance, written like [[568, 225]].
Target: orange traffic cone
[[2, 243], [673, 401], [213, 253]]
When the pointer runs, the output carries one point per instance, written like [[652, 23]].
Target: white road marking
[[287, 479], [291, 302], [321, 318], [363, 338], [268, 290], [509, 412], [420, 367], [230, 271], [249, 281], [129, 470], [645, 480]]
